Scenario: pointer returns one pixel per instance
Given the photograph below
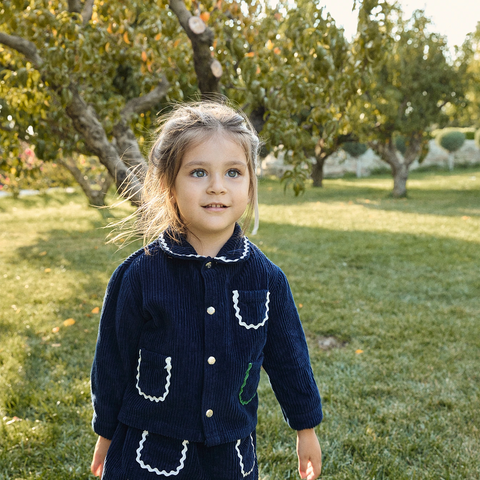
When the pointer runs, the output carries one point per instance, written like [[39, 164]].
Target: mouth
[[215, 205]]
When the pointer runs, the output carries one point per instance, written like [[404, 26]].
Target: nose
[[216, 185]]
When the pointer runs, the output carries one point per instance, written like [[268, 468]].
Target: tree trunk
[[95, 197], [257, 118], [400, 177], [87, 124], [207, 69], [321, 155], [317, 173], [388, 153]]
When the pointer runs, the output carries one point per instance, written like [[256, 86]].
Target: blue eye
[[199, 173], [233, 173]]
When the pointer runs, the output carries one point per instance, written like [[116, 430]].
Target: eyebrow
[[202, 163]]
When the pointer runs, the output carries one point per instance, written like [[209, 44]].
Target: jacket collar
[[236, 249]]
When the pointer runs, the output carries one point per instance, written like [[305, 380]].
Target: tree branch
[[87, 11], [74, 6], [86, 123], [25, 47], [146, 102], [401, 109], [386, 151], [208, 69], [414, 148], [126, 143]]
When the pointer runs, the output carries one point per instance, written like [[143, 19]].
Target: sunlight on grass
[[394, 282]]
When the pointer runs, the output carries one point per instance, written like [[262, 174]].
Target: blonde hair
[[186, 126]]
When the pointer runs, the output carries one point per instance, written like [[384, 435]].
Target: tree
[[468, 59], [303, 75], [89, 77], [409, 94]]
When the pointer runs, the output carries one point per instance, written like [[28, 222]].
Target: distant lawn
[[395, 283]]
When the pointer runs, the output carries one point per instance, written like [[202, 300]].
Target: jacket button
[[211, 360], [208, 264], [209, 413], [210, 310]]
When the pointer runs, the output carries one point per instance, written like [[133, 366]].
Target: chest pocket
[[154, 372], [251, 307]]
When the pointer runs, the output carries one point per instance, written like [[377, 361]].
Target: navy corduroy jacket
[[183, 337]]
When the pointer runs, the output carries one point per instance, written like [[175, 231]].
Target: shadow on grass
[[42, 199], [8, 204]]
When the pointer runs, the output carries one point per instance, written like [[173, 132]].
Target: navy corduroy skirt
[[140, 455]]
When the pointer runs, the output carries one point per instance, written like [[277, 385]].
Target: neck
[[208, 246]]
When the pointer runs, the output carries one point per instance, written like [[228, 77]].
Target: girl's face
[[212, 188]]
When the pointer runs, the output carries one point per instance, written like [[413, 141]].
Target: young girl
[[189, 320]]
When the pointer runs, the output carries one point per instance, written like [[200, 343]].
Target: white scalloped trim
[[242, 466], [156, 470], [223, 259], [168, 368], [240, 319]]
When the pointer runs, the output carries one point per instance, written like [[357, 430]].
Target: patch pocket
[[248, 390], [247, 457], [251, 307], [160, 455], [154, 373]]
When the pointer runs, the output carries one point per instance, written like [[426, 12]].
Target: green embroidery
[[247, 374]]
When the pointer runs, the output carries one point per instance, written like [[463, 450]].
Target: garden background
[[383, 268]]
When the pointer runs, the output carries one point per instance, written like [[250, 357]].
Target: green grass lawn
[[395, 282]]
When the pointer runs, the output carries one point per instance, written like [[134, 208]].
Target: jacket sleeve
[[287, 361], [121, 323]]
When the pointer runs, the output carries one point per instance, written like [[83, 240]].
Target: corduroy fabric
[[167, 314], [140, 455]]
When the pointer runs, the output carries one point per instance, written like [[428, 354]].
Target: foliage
[[477, 138], [468, 57], [414, 84], [470, 134], [120, 54], [305, 76], [409, 93], [67, 93], [15, 170], [355, 149], [289, 67], [26, 171], [403, 407], [451, 139]]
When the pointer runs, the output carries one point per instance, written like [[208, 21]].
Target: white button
[[209, 413], [211, 360], [210, 310], [208, 264]]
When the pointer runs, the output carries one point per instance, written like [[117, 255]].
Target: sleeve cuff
[[105, 430], [306, 420]]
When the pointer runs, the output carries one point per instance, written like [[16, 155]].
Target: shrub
[[477, 138], [355, 149], [451, 140], [470, 135]]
